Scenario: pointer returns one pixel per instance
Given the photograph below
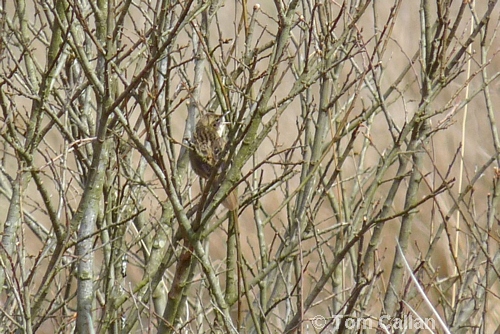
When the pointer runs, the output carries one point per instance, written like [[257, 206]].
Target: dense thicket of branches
[[362, 140]]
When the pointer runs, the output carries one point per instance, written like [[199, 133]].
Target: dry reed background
[[357, 128]]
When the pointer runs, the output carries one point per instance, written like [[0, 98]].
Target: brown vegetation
[[362, 139]]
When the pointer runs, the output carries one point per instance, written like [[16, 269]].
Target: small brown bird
[[207, 145]]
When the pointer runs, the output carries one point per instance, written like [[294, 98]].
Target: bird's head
[[212, 121]]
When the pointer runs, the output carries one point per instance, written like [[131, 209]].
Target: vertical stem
[[461, 168]]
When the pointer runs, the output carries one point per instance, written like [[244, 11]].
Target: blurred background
[[361, 138]]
